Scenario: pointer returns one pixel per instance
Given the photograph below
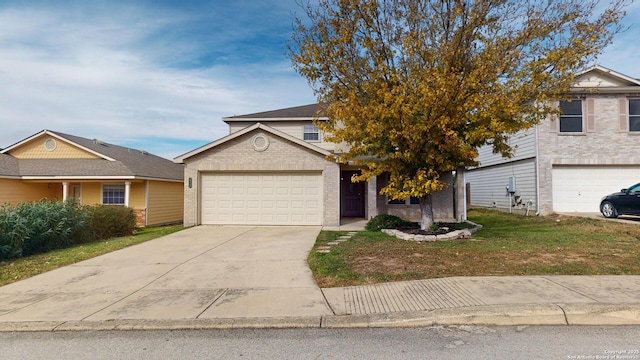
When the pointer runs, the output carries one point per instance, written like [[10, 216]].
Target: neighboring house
[[569, 162], [274, 169], [54, 165]]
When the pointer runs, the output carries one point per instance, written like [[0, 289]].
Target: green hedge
[[34, 227], [384, 221]]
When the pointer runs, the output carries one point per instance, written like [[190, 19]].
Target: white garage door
[[262, 198], [580, 188]]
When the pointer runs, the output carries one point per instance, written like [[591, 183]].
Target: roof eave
[[240, 119], [180, 159], [607, 90]]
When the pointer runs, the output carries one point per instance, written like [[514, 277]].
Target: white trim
[[52, 134], [91, 178], [606, 90], [180, 159], [61, 177], [611, 73]]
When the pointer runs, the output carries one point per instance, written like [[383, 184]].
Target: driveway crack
[[213, 302]]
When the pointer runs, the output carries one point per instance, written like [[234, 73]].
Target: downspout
[[537, 172]]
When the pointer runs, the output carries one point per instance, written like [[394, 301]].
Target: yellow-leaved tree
[[415, 87]]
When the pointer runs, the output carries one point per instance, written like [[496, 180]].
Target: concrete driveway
[[201, 272]]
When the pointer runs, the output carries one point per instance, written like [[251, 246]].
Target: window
[[310, 133], [113, 194], [410, 201], [634, 114], [571, 117], [397, 202]]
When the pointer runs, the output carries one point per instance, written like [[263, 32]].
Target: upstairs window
[[634, 114], [311, 133], [113, 194], [571, 117]]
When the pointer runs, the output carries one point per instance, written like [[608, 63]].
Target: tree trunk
[[426, 209]]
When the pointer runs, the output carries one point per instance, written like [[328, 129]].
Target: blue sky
[[160, 75]]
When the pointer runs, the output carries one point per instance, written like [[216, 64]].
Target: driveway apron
[[201, 272]]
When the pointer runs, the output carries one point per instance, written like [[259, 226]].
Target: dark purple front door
[[351, 195]]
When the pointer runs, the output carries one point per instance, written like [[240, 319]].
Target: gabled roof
[[605, 80], [112, 161], [305, 112], [604, 70], [180, 159]]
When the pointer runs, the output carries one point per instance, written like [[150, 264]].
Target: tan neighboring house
[[274, 169], [59, 166]]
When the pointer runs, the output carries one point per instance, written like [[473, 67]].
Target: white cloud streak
[[97, 76]]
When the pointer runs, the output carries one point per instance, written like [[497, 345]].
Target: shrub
[[107, 221], [34, 227], [384, 221]]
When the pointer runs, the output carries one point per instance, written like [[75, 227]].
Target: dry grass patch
[[509, 244]]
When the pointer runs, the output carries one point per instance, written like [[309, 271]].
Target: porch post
[[127, 191], [461, 198], [65, 190], [372, 198]]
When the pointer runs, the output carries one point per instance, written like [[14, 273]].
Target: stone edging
[[453, 235]]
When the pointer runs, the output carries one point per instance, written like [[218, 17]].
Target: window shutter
[[591, 116], [623, 108], [554, 120]]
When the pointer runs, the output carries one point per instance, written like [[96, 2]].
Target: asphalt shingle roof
[[8, 165], [305, 111]]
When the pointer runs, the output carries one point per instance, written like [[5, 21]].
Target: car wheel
[[608, 210]]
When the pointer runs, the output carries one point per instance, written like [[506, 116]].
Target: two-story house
[[275, 168], [568, 162]]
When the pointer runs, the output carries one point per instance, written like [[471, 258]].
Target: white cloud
[[98, 77]]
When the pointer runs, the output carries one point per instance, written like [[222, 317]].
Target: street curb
[[164, 324], [595, 314], [602, 314], [544, 314]]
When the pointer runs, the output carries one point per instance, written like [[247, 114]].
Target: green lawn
[[22, 268], [509, 244]]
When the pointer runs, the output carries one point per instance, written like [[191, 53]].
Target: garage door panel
[[580, 188], [261, 198]]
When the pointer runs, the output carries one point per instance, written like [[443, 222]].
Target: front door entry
[[351, 195]]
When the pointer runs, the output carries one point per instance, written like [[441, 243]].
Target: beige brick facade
[[281, 155], [287, 154], [605, 142]]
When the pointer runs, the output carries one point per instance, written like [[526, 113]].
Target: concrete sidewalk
[[513, 300]]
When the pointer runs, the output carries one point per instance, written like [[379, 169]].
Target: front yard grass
[[509, 244], [17, 269]]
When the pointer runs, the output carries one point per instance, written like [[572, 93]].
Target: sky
[[159, 75]]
